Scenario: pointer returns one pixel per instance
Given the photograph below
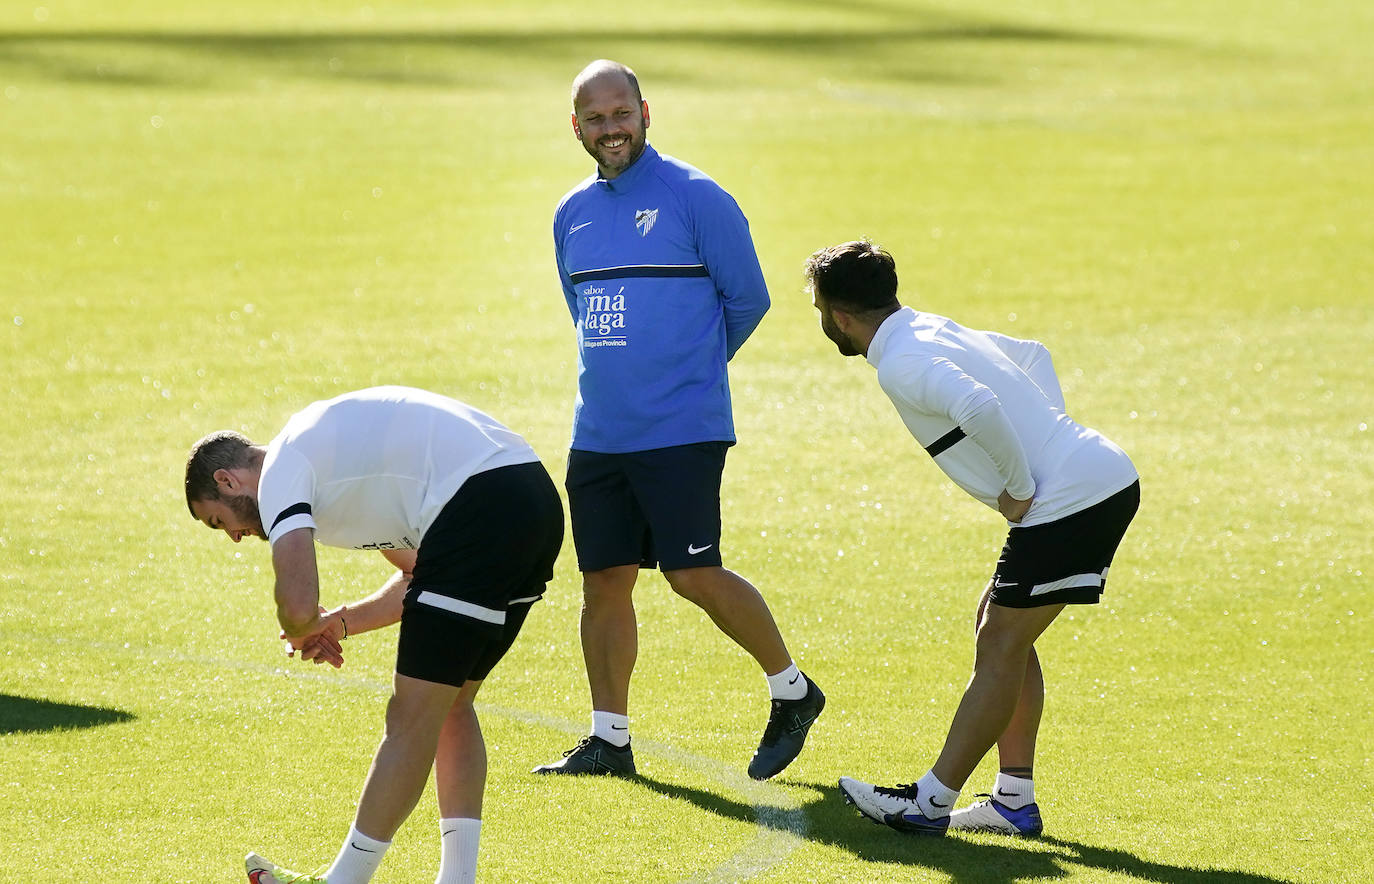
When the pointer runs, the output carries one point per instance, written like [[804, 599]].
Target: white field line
[[781, 824]]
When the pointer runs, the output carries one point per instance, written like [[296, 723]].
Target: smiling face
[[611, 121], [237, 517]]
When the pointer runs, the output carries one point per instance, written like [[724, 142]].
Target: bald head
[[604, 71], [609, 116]]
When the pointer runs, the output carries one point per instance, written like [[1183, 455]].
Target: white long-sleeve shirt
[[990, 411]]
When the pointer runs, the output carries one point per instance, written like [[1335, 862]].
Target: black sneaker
[[786, 732], [593, 756]]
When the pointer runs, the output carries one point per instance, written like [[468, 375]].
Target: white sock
[[458, 857], [789, 684], [611, 727], [936, 799], [357, 860], [1014, 792]]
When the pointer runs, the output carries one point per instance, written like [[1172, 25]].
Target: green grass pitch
[[212, 216]]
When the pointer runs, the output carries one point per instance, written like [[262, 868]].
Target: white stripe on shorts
[[1091, 579], [458, 606]]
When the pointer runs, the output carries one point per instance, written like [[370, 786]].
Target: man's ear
[[577, 130], [844, 320], [226, 481], [644, 109]]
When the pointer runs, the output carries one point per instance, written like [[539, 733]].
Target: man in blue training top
[[661, 278]]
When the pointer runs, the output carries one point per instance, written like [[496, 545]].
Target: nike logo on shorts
[[698, 550]]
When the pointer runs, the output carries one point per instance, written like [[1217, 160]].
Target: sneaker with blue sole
[[893, 806], [992, 815]]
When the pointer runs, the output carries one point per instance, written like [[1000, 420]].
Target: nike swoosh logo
[[577, 227], [355, 846], [794, 678], [1003, 583], [616, 727], [934, 803], [1002, 794], [697, 550]]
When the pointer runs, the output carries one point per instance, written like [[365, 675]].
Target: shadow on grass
[[835, 824], [456, 56], [24, 715]]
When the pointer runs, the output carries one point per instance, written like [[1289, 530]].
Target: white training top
[[372, 469], [989, 409]]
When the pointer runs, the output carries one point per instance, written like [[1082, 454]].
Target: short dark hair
[[857, 275], [223, 450]]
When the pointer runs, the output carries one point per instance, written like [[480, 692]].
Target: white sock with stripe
[[1014, 792], [935, 798], [789, 684], [458, 856], [358, 859], [611, 727]]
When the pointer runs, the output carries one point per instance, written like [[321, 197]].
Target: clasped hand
[[321, 641]]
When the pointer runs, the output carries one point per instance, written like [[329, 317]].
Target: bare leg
[[460, 762], [1005, 640], [610, 636], [738, 609], [414, 718], [1016, 745]]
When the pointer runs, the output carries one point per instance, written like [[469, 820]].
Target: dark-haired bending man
[[988, 409]]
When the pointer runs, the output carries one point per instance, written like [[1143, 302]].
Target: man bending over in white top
[[464, 510], [988, 409]]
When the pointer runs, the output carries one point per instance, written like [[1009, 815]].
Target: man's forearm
[[297, 589], [382, 608]]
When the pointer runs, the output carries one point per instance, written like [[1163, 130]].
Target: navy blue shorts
[[1064, 561], [657, 508], [479, 568]]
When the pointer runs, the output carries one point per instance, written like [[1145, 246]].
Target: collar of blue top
[[625, 181]]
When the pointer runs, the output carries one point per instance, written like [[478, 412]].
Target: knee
[[399, 719], [998, 648], [697, 585], [611, 588]]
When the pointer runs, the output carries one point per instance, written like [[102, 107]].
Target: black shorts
[[648, 508], [480, 566], [1064, 561]]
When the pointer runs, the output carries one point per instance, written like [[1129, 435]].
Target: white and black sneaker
[[894, 806]]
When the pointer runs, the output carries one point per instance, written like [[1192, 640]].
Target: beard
[[839, 338], [623, 156], [247, 510]]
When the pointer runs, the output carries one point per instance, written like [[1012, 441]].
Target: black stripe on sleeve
[[294, 509], [945, 442]]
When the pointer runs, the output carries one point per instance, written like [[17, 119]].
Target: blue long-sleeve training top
[[661, 278]]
